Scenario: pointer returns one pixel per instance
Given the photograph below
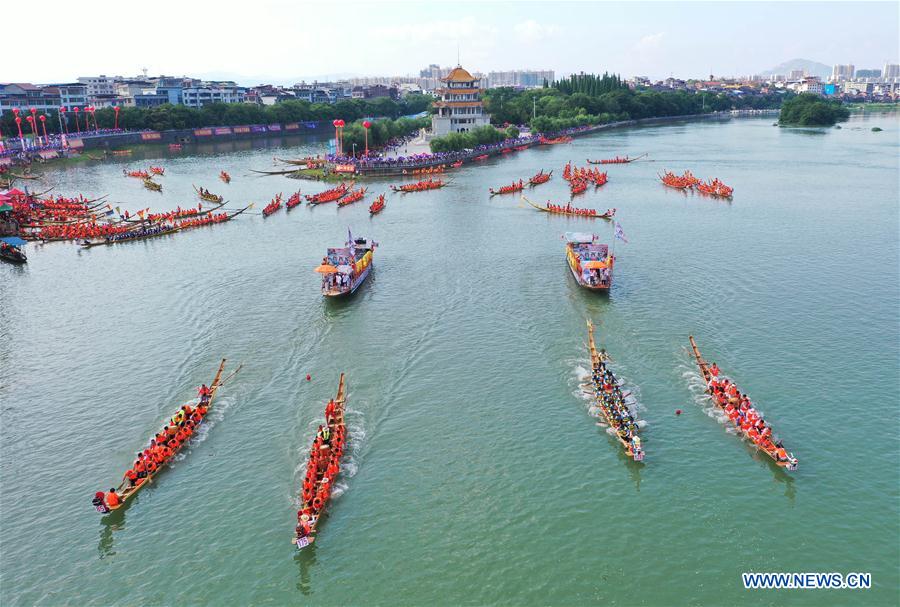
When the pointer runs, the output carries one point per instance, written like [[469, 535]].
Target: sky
[[281, 42]]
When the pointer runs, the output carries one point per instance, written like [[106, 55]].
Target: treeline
[[483, 135], [590, 84], [166, 117], [808, 109]]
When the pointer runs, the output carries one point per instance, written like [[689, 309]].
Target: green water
[[476, 475]]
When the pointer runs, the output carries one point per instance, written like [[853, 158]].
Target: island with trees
[[808, 109]]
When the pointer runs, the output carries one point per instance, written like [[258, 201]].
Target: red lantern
[[18, 123], [62, 109], [77, 123], [16, 112], [44, 127], [366, 125], [336, 123]]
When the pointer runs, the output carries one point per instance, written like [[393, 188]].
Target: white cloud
[[531, 31], [650, 42]]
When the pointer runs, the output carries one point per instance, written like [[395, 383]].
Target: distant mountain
[[812, 68]]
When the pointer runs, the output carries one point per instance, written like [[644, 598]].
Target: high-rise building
[[99, 86], [460, 108], [519, 78], [840, 73], [796, 74], [868, 73], [891, 70]]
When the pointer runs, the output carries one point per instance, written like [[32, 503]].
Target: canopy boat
[[273, 206], [344, 270], [152, 185], [207, 195], [420, 186], [616, 160], [610, 401], [456, 164], [294, 200], [158, 171], [138, 174], [10, 251], [322, 468], [571, 211], [352, 196], [377, 206], [154, 457], [225, 177], [590, 262], [508, 189], [540, 178], [747, 421], [331, 195]]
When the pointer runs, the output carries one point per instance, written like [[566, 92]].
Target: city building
[[460, 108], [99, 85], [840, 73], [212, 92], [868, 73], [24, 96], [527, 79], [373, 91], [890, 71], [811, 84], [796, 74], [71, 94]]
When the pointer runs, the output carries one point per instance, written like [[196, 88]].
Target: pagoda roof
[[459, 74]]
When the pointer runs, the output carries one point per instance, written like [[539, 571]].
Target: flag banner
[[620, 234]]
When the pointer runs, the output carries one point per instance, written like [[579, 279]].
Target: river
[[475, 475]]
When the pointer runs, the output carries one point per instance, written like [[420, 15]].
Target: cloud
[[531, 31], [650, 42]]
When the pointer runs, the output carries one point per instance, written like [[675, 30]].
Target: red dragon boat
[[272, 206], [352, 196], [555, 141], [616, 160], [508, 189], [225, 177], [539, 178], [377, 206], [138, 174], [294, 200], [158, 171], [331, 195], [571, 211], [419, 186], [322, 468]]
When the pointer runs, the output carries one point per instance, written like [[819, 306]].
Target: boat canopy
[[5, 208], [13, 240], [582, 237]]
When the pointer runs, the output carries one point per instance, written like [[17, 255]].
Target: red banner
[[274, 127], [292, 126], [222, 130], [202, 132], [151, 136], [241, 129], [345, 168]]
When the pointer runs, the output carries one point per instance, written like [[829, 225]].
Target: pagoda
[[460, 108]]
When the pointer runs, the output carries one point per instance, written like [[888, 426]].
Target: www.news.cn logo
[[816, 581]]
